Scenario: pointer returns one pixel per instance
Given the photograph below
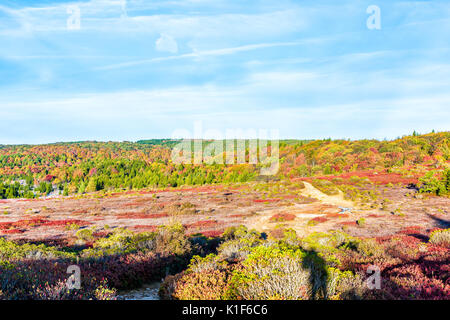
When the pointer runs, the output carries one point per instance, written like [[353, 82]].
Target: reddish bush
[[101, 234], [348, 223], [13, 231], [201, 223], [212, 233], [290, 196], [266, 200], [34, 222], [211, 285], [411, 230], [381, 178], [337, 215], [238, 215], [6, 225], [66, 222], [92, 172], [280, 217], [137, 215], [30, 222], [319, 219], [49, 178]]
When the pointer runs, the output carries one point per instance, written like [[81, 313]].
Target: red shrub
[[66, 222], [201, 223], [411, 230], [266, 200], [348, 223], [49, 178], [34, 222], [283, 217], [101, 234], [6, 225], [30, 222], [212, 233], [13, 231], [320, 219], [337, 215], [138, 215]]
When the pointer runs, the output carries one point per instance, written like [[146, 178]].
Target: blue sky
[[143, 69]]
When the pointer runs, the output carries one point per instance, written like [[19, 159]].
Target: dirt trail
[[337, 200], [303, 212]]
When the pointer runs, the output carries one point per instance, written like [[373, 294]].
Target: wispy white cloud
[[200, 54], [166, 43], [108, 16]]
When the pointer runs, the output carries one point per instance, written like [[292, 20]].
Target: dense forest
[[78, 167]]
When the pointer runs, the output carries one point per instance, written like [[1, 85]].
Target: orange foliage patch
[[201, 223], [35, 222], [238, 215], [266, 200], [283, 217], [348, 223], [66, 222], [337, 215], [320, 219], [138, 215], [13, 231], [381, 178], [411, 230]]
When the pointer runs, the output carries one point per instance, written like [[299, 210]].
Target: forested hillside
[[34, 170]]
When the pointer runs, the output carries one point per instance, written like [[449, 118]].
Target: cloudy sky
[[135, 69]]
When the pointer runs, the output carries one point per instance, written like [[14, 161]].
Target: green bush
[[369, 248], [10, 250], [280, 271], [238, 244], [204, 264], [431, 184], [172, 239], [122, 241], [185, 208], [167, 239], [240, 232], [84, 235], [441, 238]]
